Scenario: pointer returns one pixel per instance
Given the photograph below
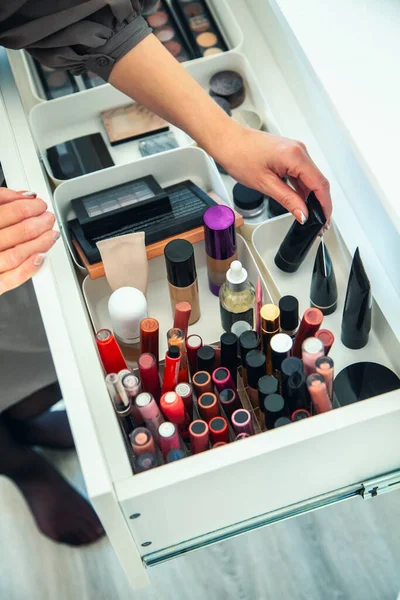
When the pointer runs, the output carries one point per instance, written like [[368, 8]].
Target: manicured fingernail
[[56, 235], [300, 216], [39, 260], [29, 194]]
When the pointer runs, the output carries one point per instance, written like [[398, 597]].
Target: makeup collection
[[269, 369], [56, 83]]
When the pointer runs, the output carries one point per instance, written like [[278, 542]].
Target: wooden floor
[[350, 551]]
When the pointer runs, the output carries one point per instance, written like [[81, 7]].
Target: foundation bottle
[[182, 276], [237, 297], [220, 241]]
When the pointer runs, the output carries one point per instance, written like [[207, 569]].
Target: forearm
[[152, 77]]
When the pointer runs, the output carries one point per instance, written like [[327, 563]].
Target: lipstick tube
[[149, 376], [300, 414], [124, 372], [219, 431], [281, 347], [176, 337], [219, 444], [171, 369], [229, 354], [199, 437], [193, 344], [149, 338], [267, 385], [327, 338], [297, 395], [248, 341], [132, 387], [142, 441], [256, 369], [309, 326], [146, 461], [274, 409], [242, 422], [175, 454], [312, 349], [289, 309], [206, 359], [222, 379], [202, 383], [174, 410], [325, 367], [230, 401], [270, 326], [208, 407], [183, 311], [121, 402], [281, 422], [289, 366], [150, 413], [241, 436], [185, 391], [319, 393], [110, 353], [169, 438]]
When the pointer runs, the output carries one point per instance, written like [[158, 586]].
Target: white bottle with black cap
[[237, 297]]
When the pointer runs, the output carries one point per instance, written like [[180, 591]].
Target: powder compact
[[130, 122], [78, 157], [166, 29], [363, 380], [201, 29], [140, 205], [228, 85]]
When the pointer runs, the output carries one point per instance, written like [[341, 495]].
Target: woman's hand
[[25, 236], [260, 160]]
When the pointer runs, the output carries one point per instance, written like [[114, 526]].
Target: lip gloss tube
[[241, 436], [222, 379], [121, 402], [327, 338], [208, 407], [312, 349], [202, 383], [149, 338], [174, 409], [183, 311], [309, 326], [150, 413], [176, 337], [242, 423], [142, 441], [169, 438], [270, 326], [146, 461], [300, 414], [149, 376], [171, 369], [199, 437], [110, 353], [132, 387], [206, 359], [325, 367], [230, 401], [175, 454], [193, 344], [229, 354], [219, 431], [319, 393]]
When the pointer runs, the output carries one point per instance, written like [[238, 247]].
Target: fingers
[[311, 177], [7, 195], [15, 212], [286, 196], [14, 257], [300, 188], [16, 277], [27, 230]]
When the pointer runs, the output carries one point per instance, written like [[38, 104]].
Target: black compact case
[[78, 157], [201, 29], [140, 205], [300, 238]]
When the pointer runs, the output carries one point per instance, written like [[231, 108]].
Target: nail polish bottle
[[300, 238], [323, 292], [220, 242], [236, 297], [357, 312], [182, 276]]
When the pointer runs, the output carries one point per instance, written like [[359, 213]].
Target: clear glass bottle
[[237, 297]]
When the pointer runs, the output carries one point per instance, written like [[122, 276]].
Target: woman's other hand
[[26, 235]]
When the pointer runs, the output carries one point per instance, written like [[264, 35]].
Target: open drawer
[[186, 505]]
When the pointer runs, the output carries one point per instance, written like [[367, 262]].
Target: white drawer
[[189, 504]]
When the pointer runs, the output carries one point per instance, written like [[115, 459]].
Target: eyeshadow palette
[[200, 27], [185, 209], [158, 143], [91, 80], [130, 122], [166, 29], [55, 83], [79, 156]]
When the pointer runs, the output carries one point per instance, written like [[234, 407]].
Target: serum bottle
[[237, 297]]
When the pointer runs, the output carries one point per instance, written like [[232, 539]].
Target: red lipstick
[[219, 431], [199, 437], [309, 325], [183, 311], [171, 369], [149, 376], [110, 353]]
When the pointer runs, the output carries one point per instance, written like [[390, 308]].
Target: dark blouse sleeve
[[78, 35]]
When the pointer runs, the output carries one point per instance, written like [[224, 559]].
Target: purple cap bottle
[[220, 241]]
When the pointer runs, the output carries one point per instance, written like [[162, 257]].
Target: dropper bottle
[[237, 297]]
